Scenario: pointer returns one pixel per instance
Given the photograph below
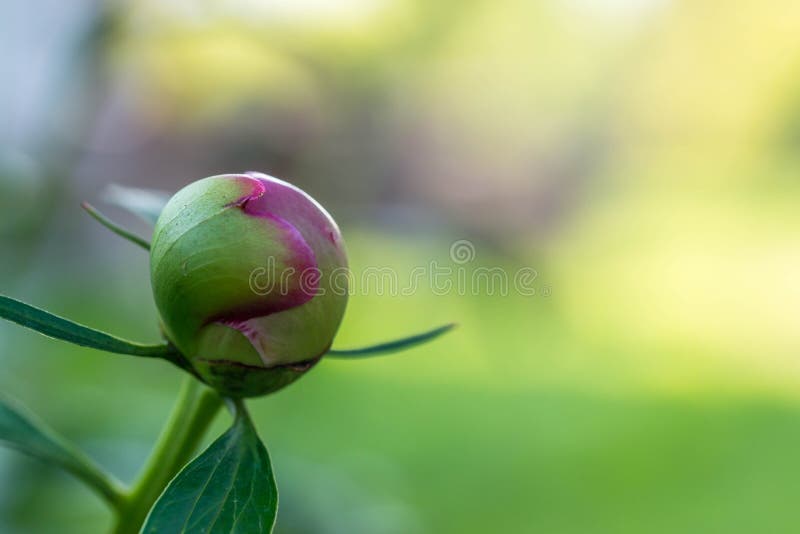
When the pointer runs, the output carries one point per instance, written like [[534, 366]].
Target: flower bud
[[245, 273]]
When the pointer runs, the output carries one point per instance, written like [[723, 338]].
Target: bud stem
[[195, 409]]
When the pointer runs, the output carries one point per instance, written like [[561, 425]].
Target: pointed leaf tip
[[393, 346], [228, 489], [114, 227]]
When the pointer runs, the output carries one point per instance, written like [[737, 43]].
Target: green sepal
[[59, 328], [392, 346], [114, 227]]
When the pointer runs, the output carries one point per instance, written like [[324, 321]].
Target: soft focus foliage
[[641, 155]]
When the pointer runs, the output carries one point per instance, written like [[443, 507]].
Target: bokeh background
[[642, 155]]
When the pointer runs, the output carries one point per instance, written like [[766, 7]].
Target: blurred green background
[[643, 156]]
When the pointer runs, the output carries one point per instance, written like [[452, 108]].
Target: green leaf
[[114, 227], [145, 203], [21, 431], [59, 328], [228, 489], [392, 346]]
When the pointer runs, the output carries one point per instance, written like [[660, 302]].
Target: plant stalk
[[108, 487], [193, 413]]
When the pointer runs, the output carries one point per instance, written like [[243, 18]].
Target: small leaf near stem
[[228, 489], [114, 227], [20, 430], [391, 346], [144, 203], [59, 328]]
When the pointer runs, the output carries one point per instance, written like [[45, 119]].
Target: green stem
[[108, 487], [207, 406], [193, 412]]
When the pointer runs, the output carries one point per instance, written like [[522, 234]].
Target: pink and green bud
[[244, 273]]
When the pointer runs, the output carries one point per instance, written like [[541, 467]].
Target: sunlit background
[[643, 156]]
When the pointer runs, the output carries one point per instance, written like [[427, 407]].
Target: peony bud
[[245, 273]]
